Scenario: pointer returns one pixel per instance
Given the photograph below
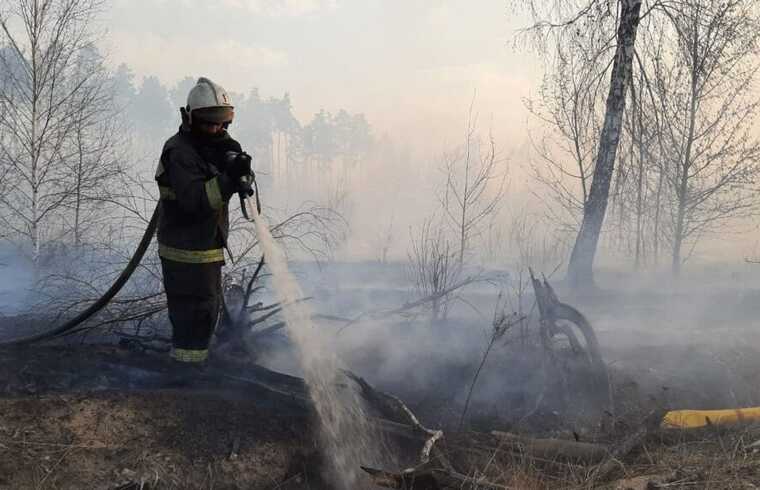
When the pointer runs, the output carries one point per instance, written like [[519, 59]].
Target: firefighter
[[199, 170]]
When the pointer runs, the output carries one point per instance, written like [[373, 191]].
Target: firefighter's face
[[210, 128]]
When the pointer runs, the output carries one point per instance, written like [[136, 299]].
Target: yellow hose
[[691, 419]]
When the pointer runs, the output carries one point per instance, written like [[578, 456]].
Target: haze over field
[[360, 107], [412, 68]]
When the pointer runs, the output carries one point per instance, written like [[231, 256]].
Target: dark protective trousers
[[193, 294]]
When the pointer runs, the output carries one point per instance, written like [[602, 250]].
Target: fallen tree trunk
[[553, 449]]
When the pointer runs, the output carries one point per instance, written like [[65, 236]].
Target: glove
[[239, 171], [238, 165]]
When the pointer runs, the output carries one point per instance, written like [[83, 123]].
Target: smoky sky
[[408, 65]]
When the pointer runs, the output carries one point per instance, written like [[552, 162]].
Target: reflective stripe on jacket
[[193, 217]]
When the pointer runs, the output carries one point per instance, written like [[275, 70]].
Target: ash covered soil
[[110, 439], [75, 417], [83, 416]]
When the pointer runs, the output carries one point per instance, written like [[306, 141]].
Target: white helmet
[[209, 102]]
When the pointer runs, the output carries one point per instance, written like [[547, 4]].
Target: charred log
[[557, 317]]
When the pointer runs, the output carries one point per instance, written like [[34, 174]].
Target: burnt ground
[[109, 439], [107, 417], [82, 416], [101, 417]]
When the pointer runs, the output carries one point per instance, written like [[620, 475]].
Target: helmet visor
[[214, 115]]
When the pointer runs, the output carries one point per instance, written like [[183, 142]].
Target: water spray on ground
[[345, 432]]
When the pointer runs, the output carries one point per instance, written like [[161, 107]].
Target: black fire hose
[[103, 300]]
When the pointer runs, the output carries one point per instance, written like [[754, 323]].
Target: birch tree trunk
[[580, 268]]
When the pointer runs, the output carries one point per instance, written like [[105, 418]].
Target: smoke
[[666, 346], [689, 343], [16, 281]]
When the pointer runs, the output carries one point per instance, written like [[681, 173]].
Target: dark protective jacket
[[193, 219]]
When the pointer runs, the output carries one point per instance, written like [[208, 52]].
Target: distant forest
[[266, 126]]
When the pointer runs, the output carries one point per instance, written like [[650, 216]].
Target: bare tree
[[561, 19], [689, 160], [580, 268], [640, 139], [434, 266], [568, 105], [703, 94], [474, 187], [44, 104], [94, 154]]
